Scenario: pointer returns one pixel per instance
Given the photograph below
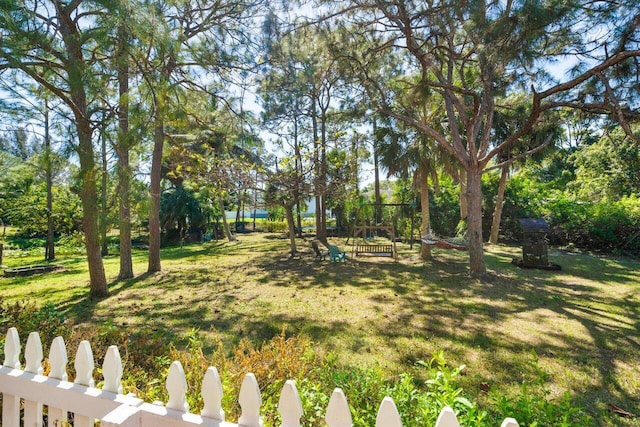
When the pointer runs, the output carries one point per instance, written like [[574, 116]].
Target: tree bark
[[49, 252], [124, 168], [376, 181], [154, 191], [474, 221], [104, 249], [321, 232], [323, 175], [497, 211], [76, 69], [89, 197], [225, 224], [464, 203], [292, 228], [425, 226]]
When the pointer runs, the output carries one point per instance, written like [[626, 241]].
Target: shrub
[[610, 226], [534, 407], [29, 317]]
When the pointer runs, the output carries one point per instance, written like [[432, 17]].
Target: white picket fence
[[111, 408]]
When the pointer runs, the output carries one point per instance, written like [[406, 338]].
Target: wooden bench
[[374, 250]]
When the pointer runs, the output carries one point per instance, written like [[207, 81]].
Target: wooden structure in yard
[[535, 252], [364, 247], [26, 392]]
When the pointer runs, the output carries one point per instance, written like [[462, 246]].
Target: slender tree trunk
[[104, 249], [298, 158], [321, 232], [425, 227], [156, 165], [474, 222], [238, 211], [225, 224], [376, 178], [323, 175], [292, 228], [124, 169], [154, 190], [497, 212], [355, 164], [49, 252]]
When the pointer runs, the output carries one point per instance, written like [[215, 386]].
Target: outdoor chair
[[336, 254]]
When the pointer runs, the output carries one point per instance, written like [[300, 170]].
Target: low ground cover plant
[[419, 399]]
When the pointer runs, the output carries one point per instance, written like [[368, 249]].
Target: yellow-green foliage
[[273, 362]]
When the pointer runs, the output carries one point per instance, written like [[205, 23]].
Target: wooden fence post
[[0, 254]]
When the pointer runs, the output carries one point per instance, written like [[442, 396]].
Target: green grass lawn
[[575, 330]]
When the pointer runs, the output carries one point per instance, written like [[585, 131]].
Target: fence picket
[[11, 403], [338, 412], [176, 385], [447, 418], [58, 359], [33, 364], [250, 402], [388, 415], [112, 370], [84, 365], [12, 349], [212, 395], [10, 410], [58, 370], [289, 405], [33, 354], [509, 422]]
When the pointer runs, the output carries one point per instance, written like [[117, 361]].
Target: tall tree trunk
[[49, 252], [298, 159], [288, 209], [154, 190], [321, 232], [323, 175], [474, 221], [124, 169], [497, 211], [89, 197], [104, 249], [376, 178], [425, 227], [225, 224], [76, 70]]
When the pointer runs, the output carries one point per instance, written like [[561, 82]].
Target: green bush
[[608, 226], [28, 317], [532, 406], [275, 226]]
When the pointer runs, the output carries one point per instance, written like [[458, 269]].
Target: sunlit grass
[[579, 325]]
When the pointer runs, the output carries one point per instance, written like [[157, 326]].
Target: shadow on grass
[[583, 321]]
